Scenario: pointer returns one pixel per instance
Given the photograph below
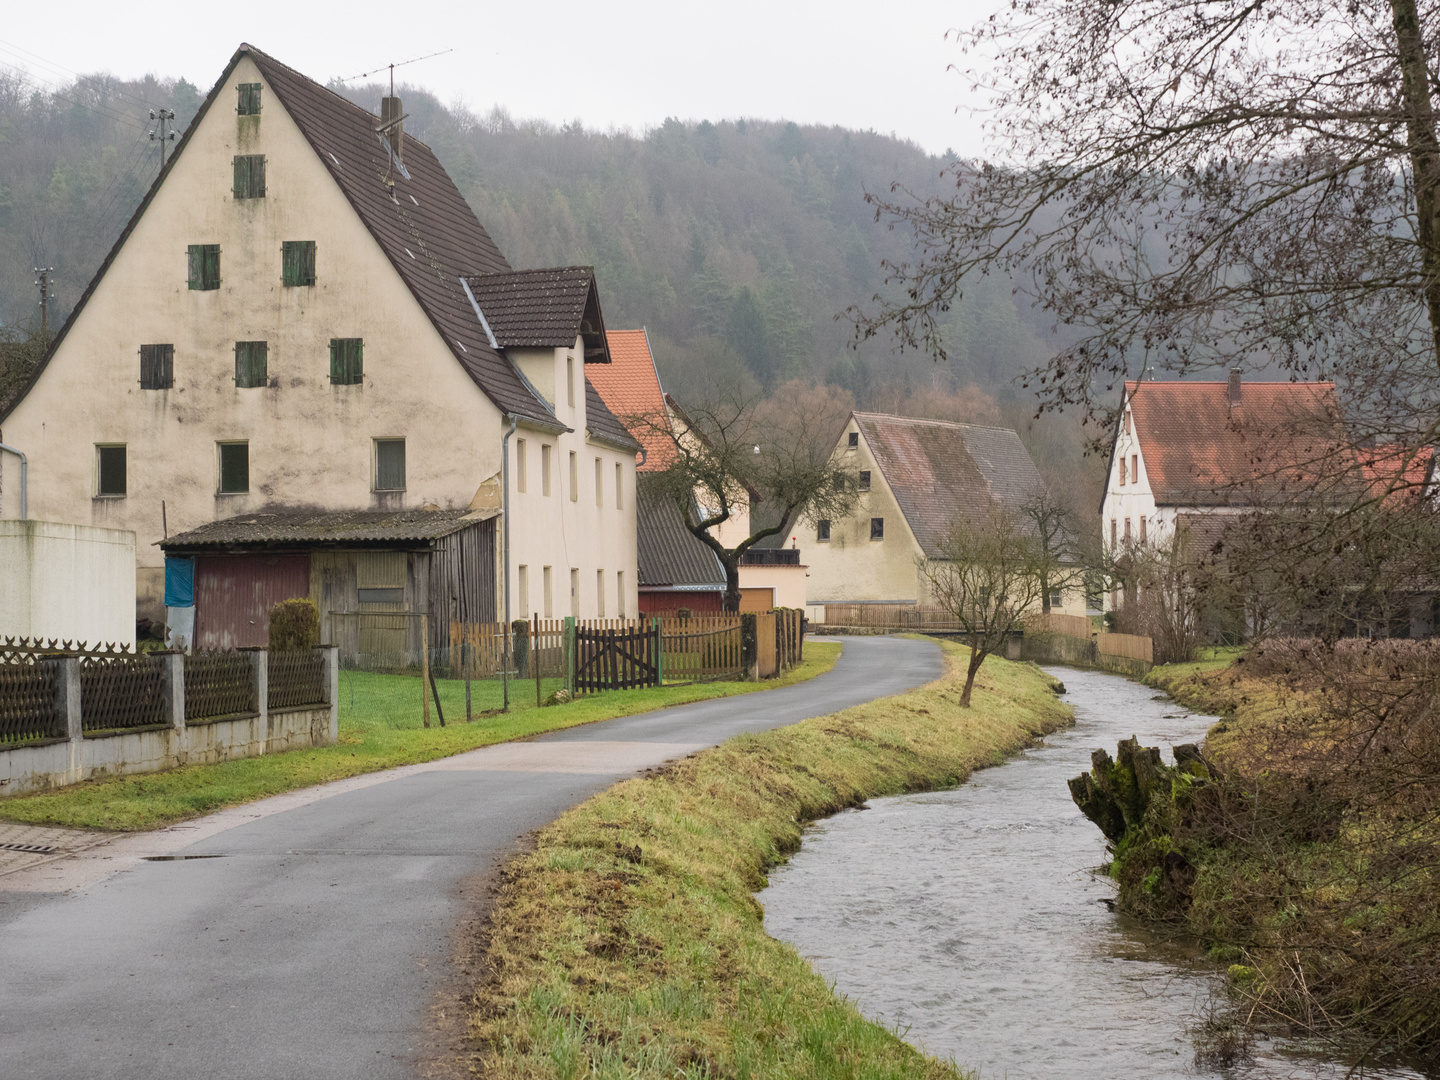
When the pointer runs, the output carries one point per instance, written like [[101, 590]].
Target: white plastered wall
[[851, 567], [583, 533]]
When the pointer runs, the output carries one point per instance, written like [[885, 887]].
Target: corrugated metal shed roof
[[668, 553], [938, 471], [308, 527]]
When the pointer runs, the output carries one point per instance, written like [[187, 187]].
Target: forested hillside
[[735, 242]]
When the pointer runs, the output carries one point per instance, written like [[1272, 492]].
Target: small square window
[[347, 361], [852, 440], [822, 530], [389, 464], [877, 528], [110, 478], [864, 479], [249, 176], [157, 367], [204, 266], [234, 468], [251, 363], [249, 99], [297, 262]]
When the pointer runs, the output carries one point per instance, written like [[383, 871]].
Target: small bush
[[294, 624]]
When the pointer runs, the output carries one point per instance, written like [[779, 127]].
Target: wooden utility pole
[[162, 133], [43, 279]]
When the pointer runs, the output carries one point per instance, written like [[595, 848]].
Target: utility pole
[[162, 134], [43, 280]]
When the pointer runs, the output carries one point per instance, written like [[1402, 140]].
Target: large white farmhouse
[[306, 369]]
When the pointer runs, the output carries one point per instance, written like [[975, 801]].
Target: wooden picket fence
[[1133, 646], [1055, 623], [701, 648]]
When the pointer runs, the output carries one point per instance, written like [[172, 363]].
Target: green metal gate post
[[570, 651]]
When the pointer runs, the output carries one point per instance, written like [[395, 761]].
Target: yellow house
[[304, 319], [915, 478]]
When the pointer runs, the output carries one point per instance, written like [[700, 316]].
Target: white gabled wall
[[1134, 499]]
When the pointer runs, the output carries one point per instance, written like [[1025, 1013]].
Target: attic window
[[297, 262], [877, 528], [1127, 421], [864, 479], [157, 367], [250, 176], [852, 441], [204, 266], [250, 363], [347, 361], [822, 531], [249, 99]]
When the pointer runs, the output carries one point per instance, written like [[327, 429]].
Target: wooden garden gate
[[617, 659]]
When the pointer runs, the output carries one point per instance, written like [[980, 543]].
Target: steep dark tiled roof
[[543, 309], [669, 555], [1200, 452], [308, 527], [602, 423], [938, 471]]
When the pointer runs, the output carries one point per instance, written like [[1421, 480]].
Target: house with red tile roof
[[306, 369], [1214, 448]]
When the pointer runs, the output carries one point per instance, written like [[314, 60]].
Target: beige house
[[916, 477], [304, 318]]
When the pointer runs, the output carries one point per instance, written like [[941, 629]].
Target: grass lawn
[[380, 728], [630, 943], [1209, 658]]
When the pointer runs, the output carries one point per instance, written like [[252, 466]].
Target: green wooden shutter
[[195, 262], [297, 262], [211, 273], [250, 363], [249, 99], [242, 177], [157, 367], [347, 365], [249, 176]]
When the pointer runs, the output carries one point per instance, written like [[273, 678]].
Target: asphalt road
[[315, 940]]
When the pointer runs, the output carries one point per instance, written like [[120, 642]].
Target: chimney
[[392, 126], [1232, 391]]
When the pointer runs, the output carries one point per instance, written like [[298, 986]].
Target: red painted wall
[[667, 603]]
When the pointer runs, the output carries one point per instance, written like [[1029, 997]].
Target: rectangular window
[[1134, 468], [522, 575], [390, 465], [547, 581], [600, 593], [249, 176], [620, 594], [1127, 530], [297, 262], [570, 380], [203, 261], [574, 476], [1113, 540], [1122, 470], [249, 99], [864, 479], [110, 472], [619, 486], [1127, 421], [822, 530], [234, 468], [157, 367], [544, 469], [347, 361], [519, 464], [1142, 528], [877, 528], [574, 592], [599, 482], [251, 361], [852, 440], [1056, 600]]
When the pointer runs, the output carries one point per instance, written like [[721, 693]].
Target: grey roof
[[668, 553], [940, 471], [543, 309], [603, 424], [321, 528]]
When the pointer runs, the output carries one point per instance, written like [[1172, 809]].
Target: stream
[[971, 921]]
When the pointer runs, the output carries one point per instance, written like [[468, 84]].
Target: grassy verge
[[380, 728], [629, 943]]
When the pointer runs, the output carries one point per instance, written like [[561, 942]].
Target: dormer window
[[249, 99]]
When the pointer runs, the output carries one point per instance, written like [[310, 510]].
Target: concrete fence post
[[67, 694], [260, 679], [331, 655], [172, 686]]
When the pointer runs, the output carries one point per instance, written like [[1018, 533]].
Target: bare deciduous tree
[[988, 576]]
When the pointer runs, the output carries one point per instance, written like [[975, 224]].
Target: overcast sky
[[626, 65]]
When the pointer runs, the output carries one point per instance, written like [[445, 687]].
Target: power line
[[56, 91], [60, 69]]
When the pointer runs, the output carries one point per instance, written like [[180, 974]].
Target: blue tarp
[[179, 582]]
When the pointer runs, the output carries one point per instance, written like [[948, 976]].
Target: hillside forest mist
[[735, 243]]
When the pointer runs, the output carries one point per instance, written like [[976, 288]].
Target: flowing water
[[971, 920]]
